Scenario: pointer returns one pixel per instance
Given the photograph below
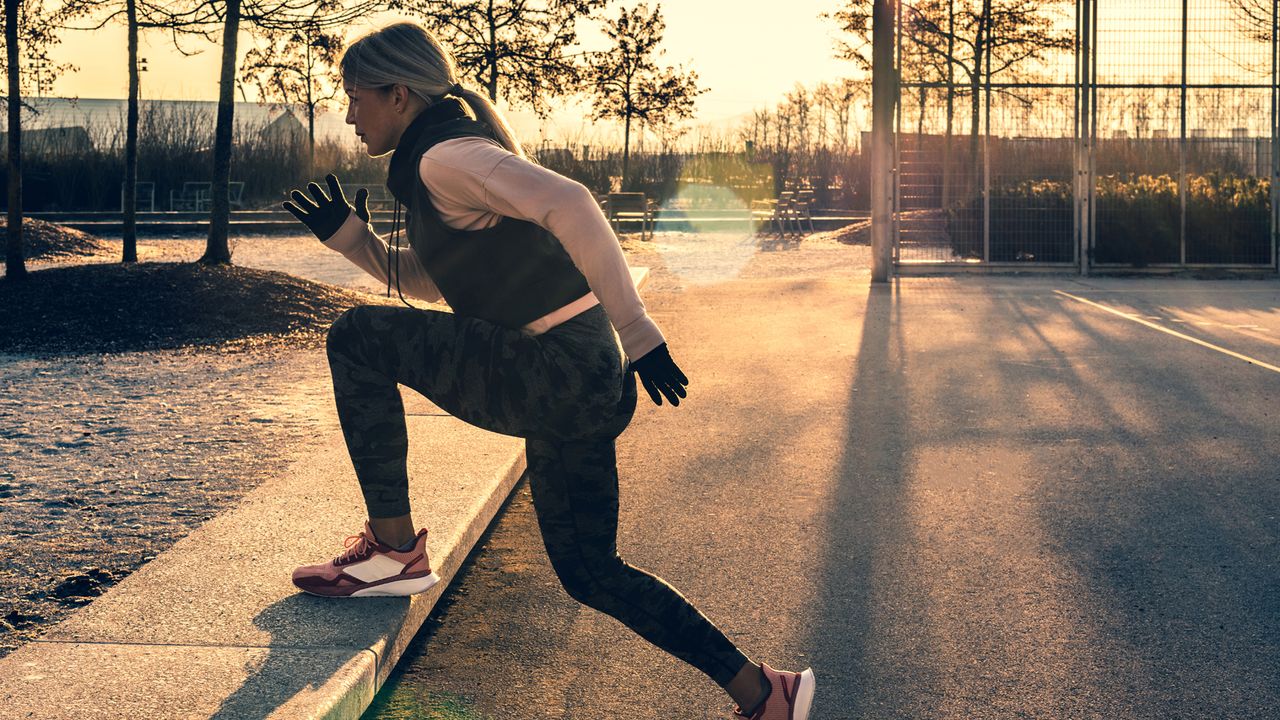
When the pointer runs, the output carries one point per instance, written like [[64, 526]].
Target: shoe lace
[[362, 545]]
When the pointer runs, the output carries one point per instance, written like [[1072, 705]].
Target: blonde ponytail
[[406, 53], [486, 112]]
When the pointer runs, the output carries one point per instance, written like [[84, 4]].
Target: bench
[[197, 195], [622, 207], [379, 197], [145, 199], [784, 213]]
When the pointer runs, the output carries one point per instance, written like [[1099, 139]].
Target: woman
[[529, 266]]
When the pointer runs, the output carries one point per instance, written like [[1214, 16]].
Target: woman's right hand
[[324, 216]]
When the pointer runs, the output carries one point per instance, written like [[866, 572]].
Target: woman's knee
[[350, 326], [592, 579]]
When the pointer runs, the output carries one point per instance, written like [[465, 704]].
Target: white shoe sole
[[400, 588], [804, 695]]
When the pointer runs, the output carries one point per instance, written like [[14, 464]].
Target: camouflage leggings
[[568, 393]]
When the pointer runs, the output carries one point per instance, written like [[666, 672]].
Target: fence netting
[[1104, 132]]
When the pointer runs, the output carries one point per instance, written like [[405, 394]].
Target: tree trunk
[[131, 143], [626, 150], [493, 56], [922, 100], [216, 250], [951, 96], [15, 268], [311, 138], [311, 119], [975, 102]]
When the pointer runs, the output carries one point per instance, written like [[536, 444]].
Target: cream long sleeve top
[[472, 182]]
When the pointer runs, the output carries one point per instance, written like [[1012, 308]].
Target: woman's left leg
[[575, 495]]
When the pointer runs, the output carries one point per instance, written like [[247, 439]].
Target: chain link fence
[[1086, 133]]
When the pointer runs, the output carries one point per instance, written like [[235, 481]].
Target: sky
[[747, 53]]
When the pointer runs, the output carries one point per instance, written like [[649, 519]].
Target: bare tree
[[14, 265], [801, 103], [29, 34], [76, 9], [986, 40], [627, 84], [841, 98], [518, 50], [37, 27], [299, 68], [207, 17], [1253, 18]]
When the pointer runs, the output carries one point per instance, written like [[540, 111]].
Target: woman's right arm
[[358, 243]]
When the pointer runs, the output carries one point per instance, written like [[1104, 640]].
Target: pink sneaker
[[370, 568], [790, 698]]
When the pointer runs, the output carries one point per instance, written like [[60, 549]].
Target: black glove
[[659, 373], [325, 218]]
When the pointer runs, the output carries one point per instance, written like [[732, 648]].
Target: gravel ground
[[107, 460]]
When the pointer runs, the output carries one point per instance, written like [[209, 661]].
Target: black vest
[[510, 274]]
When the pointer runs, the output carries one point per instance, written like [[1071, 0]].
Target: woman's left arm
[[480, 174]]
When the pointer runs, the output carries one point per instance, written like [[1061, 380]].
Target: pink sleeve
[[484, 176], [358, 243]]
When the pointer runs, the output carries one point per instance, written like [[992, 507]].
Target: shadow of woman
[[323, 644]]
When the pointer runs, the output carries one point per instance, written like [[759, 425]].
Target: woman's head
[[391, 74]]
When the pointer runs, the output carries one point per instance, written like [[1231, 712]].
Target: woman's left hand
[[328, 212], [660, 374]]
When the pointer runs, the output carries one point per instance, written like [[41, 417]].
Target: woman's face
[[380, 115]]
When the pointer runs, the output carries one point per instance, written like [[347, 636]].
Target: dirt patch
[[46, 241], [148, 306], [106, 460]]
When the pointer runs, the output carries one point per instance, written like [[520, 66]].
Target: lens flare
[[706, 233]]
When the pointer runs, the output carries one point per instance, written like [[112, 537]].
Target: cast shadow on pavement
[[863, 518], [1171, 525], [289, 671]]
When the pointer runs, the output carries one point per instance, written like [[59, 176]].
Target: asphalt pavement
[[968, 497]]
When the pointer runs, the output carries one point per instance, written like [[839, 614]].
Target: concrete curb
[[213, 627], [282, 223]]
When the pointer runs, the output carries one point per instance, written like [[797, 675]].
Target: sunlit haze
[[748, 54]]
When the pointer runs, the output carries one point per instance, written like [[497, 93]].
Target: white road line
[[1175, 333]]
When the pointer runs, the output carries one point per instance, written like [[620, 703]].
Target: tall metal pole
[[895, 163], [884, 90], [1275, 131], [1087, 114], [1092, 120], [1182, 150], [1077, 225]]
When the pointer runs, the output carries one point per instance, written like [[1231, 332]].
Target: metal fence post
[[1092, 65], [1076, 163], [1275, 132], [1084, 144], [895, 233], [883, 91], [1182, 149]]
